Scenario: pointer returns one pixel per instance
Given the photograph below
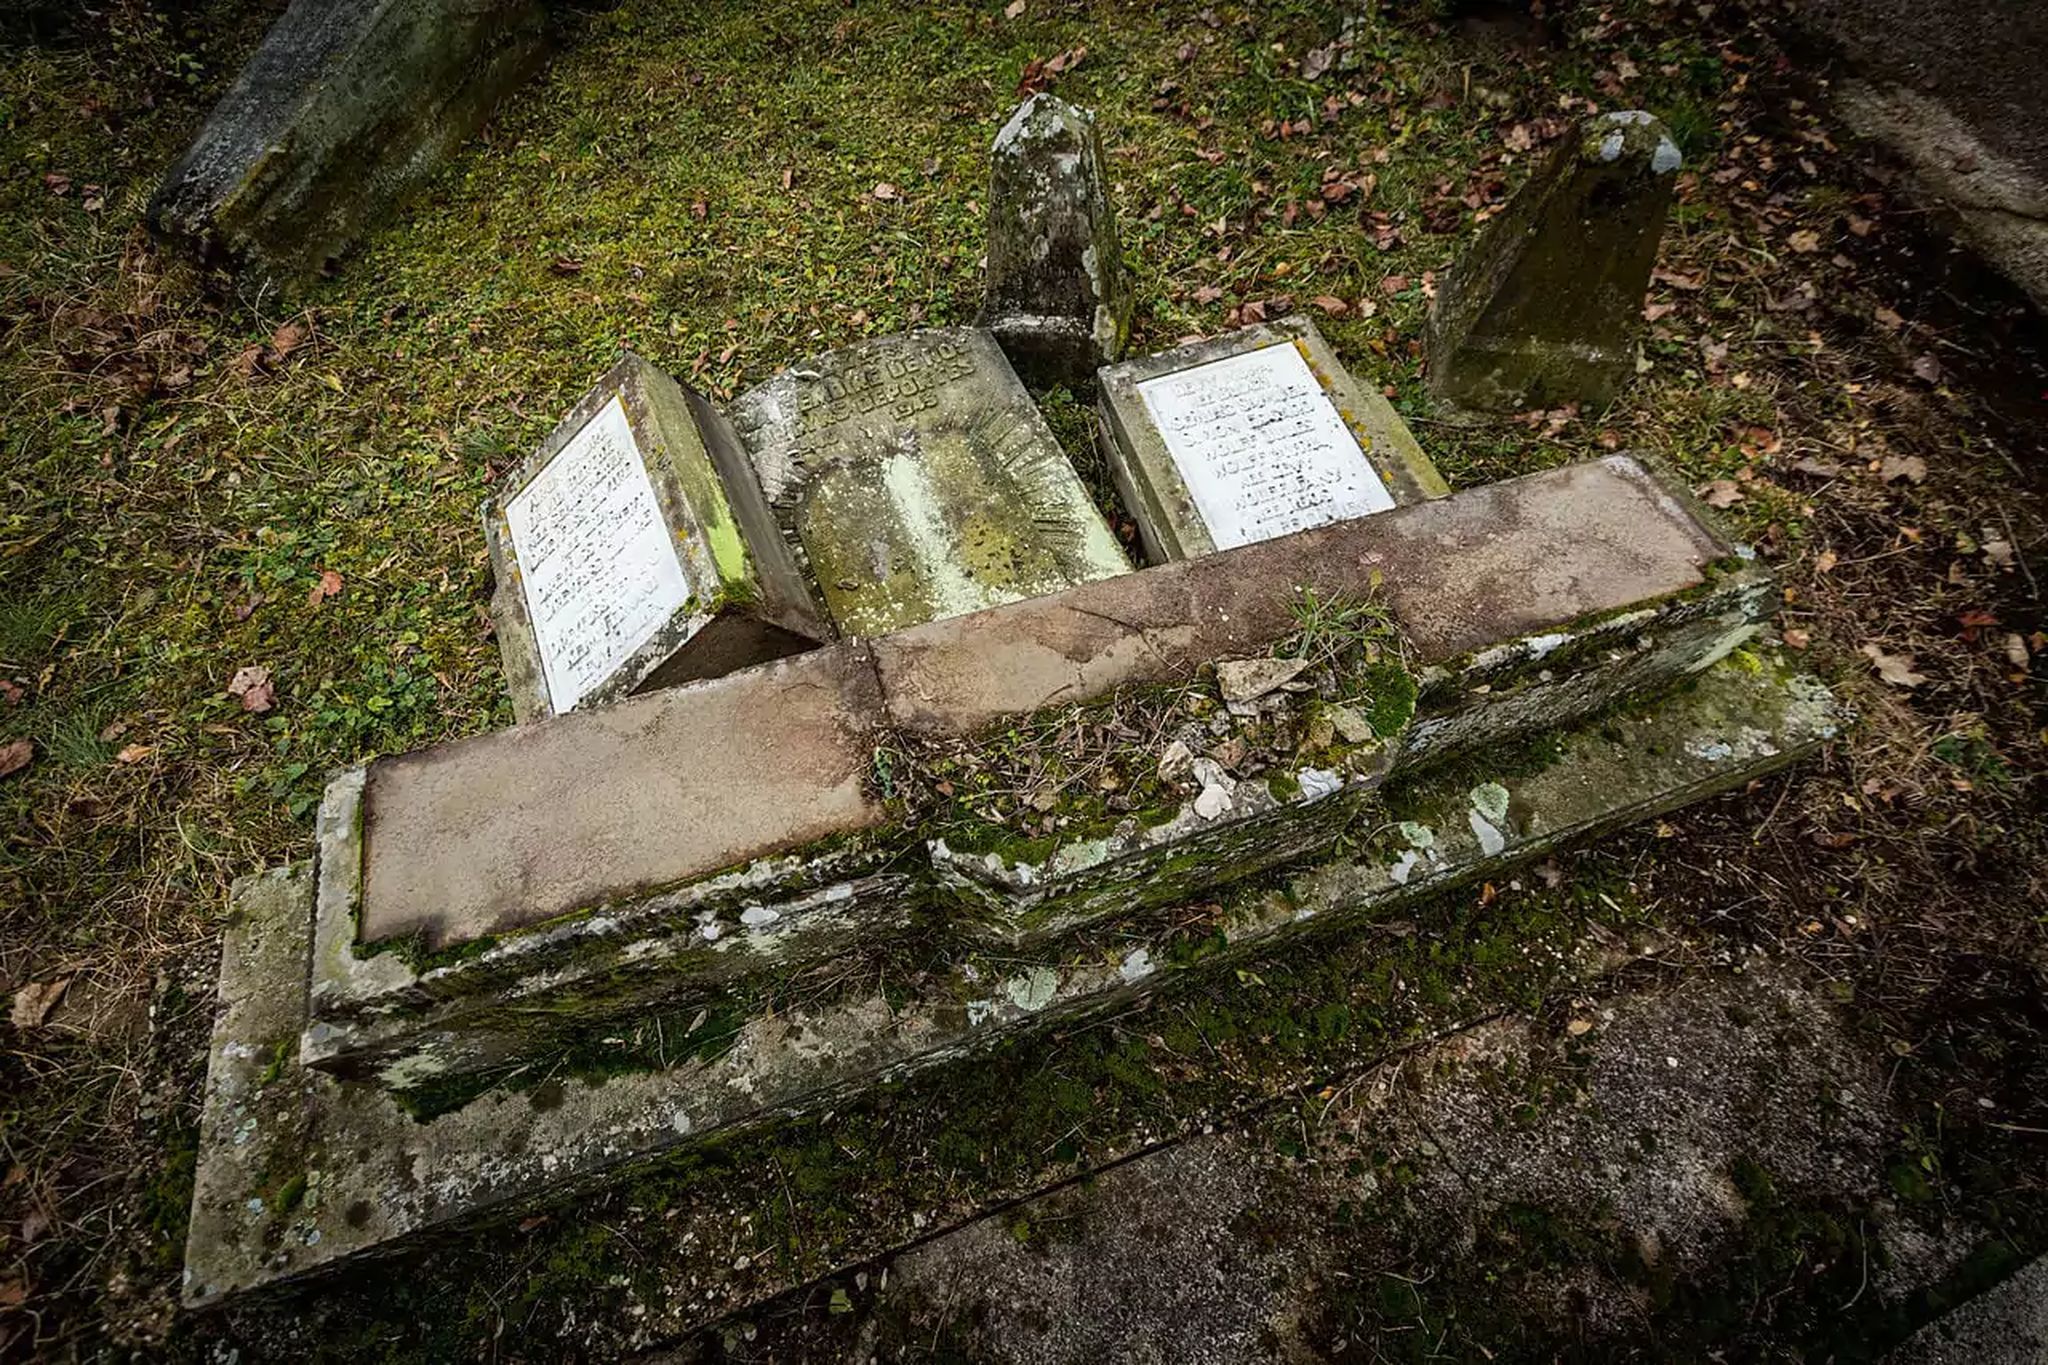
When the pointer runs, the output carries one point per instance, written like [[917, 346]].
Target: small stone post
[[1541, 310], [1057, 298]]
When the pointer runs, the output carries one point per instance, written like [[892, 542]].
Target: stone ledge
[[762, 847], [300, 1171]]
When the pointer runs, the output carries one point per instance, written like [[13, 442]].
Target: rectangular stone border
[[299, 1172], [373, 1010], [1149, 480]]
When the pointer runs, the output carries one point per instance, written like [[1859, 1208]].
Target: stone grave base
[[300, 1172]]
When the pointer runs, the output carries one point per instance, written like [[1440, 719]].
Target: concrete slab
[[1484, 567], [509, 829]]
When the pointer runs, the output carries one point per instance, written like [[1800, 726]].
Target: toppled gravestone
[[635, 550], [921, 481], [1057, 297], [1252, 435], [1542, 308], [346, 106]]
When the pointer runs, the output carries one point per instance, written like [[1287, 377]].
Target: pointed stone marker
[[1056, 297], [635, 550], [1252, 435], [921, 481], [1542, 309]]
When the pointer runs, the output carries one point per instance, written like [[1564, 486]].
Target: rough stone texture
[[2005, 1326], [1542, 309], [346, 106], [364, 1174], [1953, 88], [1482, 568], [920, 481], [1232, 830], [1152, 486], [1243, 1244], [1057, 297], [748, 602], [509, 829], [651, 851]]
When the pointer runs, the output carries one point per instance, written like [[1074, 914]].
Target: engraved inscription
[[597, 563], [905, 382], [1262, 449]]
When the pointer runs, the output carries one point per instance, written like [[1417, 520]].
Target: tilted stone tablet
[[1542, 309], [921, 481], [1253, 435], [635, 551]]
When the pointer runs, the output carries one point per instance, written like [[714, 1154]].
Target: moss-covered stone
[[1542, 308], [920, 482], [1056, 297]]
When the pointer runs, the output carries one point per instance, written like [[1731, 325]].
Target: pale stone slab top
[[518, 826], [1255, 434], [1483, 566]]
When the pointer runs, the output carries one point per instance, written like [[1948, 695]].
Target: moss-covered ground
[[199, 478]]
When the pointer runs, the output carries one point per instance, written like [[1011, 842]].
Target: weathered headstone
[[1057, 298], [1253, 435], [634, 550], [345, 107], [921, 481], [1542, 308]]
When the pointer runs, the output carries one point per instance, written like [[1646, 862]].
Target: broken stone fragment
[[346, 106], [1056, 295], [1253, 435], [635, 550], [1243, 680], [1542, 308]]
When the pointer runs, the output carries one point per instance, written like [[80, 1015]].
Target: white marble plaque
[[1261, 447], [596, 559]]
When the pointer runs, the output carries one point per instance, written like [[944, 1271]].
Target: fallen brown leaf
[[33, 1002], [1722, 493], [15, 755], [326, 586], [1896, 669], [253, 687]]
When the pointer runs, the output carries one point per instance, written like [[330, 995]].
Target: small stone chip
[[1243, 680], [1352, 727]]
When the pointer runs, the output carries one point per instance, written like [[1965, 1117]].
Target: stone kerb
[[635, 550], [300, 1172], [1543, 307], [920, 481], [1258, 433], [686, 837]]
